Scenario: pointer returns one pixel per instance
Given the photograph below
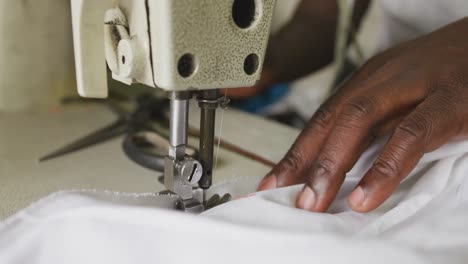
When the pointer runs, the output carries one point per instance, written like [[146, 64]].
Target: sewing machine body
[[174, 45]]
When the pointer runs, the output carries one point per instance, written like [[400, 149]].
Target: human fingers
[[428, 127], [352, 133]]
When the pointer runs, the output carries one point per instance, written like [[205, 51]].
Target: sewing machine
[[189, 48]]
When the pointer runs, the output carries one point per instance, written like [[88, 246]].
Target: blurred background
[[36, 54], [37, 67]]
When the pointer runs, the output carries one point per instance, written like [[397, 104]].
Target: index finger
[[291, 168]]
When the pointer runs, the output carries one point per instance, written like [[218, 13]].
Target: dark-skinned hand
[[417, 92]]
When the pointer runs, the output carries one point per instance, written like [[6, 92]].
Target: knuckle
[[450, 99], [323, 118], [321, 174], [451, 76], [447, 94], [360, 107], [323, 166], [293, 161], [448, 82], [416, 128], [386, 167]]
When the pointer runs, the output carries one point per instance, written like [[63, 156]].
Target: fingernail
[[356, 198], [268, 183], [307, 199]]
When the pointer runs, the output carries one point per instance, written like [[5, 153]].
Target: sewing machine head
[[186, 47]]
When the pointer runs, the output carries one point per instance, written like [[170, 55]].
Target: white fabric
[[424, 222], [404, 20]]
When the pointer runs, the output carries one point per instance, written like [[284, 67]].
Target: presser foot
[[197, 205]]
